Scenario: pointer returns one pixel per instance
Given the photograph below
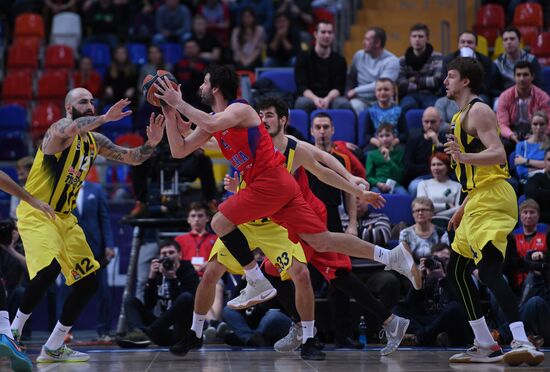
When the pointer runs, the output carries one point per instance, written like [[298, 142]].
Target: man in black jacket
[[168, 301], [320, 74]]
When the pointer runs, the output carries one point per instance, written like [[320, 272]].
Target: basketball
[[149, 88]]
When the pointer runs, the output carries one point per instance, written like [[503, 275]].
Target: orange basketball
[[149, 88]]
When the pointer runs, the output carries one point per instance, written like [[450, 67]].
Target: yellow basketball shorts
[[491, 213], [61, 239], [271, 238]]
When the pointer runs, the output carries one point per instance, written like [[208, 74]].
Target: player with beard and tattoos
[[51, 246]]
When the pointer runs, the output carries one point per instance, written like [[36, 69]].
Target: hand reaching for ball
[[167, 93]]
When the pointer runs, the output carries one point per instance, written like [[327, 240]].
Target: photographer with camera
[[168, 301], [435, 317]]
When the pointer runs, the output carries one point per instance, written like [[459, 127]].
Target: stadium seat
[[12, 172], [397, 208], [322, 14], [282, 78], [52, 87], [29, 43], [490, 21], [130, 140], [137, 53], [541, 48], [546, 76], [17, 88], [13, 148], [21, 57], [414, 118], [44, 115], [172, 52], [99, 53], [511, 163], [66, 30], [117, 128], [59, 57], [482, 45], [344, 124], [528, 34], [13, 118], [29, 25], [299, 121], [528, 14], [361, 128]]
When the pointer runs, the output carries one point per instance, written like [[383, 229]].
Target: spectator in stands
[[529, 158], [420, 71], [167, 310], [23, 168], [517, 104], [447, 108], [423, 235], [421, 146], [53, 7], [155, 61], [101, 21], [505, 62], [467, 43], [141, 22], [435, 317], [283, 44], [121, 77], [369, 66], [385, 167], [87, 77], [300, 13], [320, 74], [189, 71], [247, 41], [538, 188], [211, 49], [384, 111], [217, 17], [441, 190], [263, 11], [173, 21]]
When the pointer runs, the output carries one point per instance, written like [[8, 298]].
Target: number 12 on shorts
[[84, 266]]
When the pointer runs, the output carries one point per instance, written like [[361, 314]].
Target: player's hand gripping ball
[[149, 88]]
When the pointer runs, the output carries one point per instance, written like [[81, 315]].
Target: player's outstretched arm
[[182, 140], [8, 185], [136, 155], [485, 123], [61, 133]]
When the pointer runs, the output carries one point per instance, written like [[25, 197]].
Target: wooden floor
[[221, 359]]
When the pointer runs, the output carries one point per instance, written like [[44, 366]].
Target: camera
[[432, 263], [6, 230], [167, 263]]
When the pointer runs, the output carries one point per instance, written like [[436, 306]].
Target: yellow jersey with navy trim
[[56, 179], [289, 160], [472, 176]]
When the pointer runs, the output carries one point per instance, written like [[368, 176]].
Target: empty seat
[[299, 121], [137, 53], [13, 148], [12, 172], [344, 124], [21, 57], [29, 25], [172, 52], [66, 30], [541, 48], [59, 57], [528, 14], [397, 208], [44, 115], [482, 45], [17, 88], [282, 78], [490, 21], [414, 118], [13, 117], [99, 53], [361, 128], [130, 140], [52, 87], [117, 128]]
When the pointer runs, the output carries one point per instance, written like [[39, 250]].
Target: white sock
[[198, 323], [307, 329], [57, 337], [518, 331], [19, 321], [481, 332], [254, 274], [381, 255], [5, 328]]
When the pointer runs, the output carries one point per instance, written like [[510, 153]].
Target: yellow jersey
[[56, 179], [472, 176]]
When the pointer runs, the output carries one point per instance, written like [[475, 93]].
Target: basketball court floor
[[219, 358]]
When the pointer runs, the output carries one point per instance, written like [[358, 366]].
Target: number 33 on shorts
[[283, 261]]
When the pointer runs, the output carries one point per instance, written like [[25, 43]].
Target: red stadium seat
[[52, 87], [490, 21], [541, 48], [129, 140], [43, 115], [21, 57], [29, 25], [528, 14], [59, 56], [17, 88], [528, 34], [30, 42]]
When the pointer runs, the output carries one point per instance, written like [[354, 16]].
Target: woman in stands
[[121, 77], [530, 152], [247, 41]]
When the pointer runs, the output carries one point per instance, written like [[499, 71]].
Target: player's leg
[[394, 326], [8, 346]]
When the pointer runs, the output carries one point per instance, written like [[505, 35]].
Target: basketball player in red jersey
[[271, 191]]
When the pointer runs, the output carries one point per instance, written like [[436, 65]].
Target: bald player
[[57, 245]]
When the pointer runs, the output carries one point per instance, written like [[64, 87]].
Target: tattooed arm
[[61, 133], [136, 155]]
